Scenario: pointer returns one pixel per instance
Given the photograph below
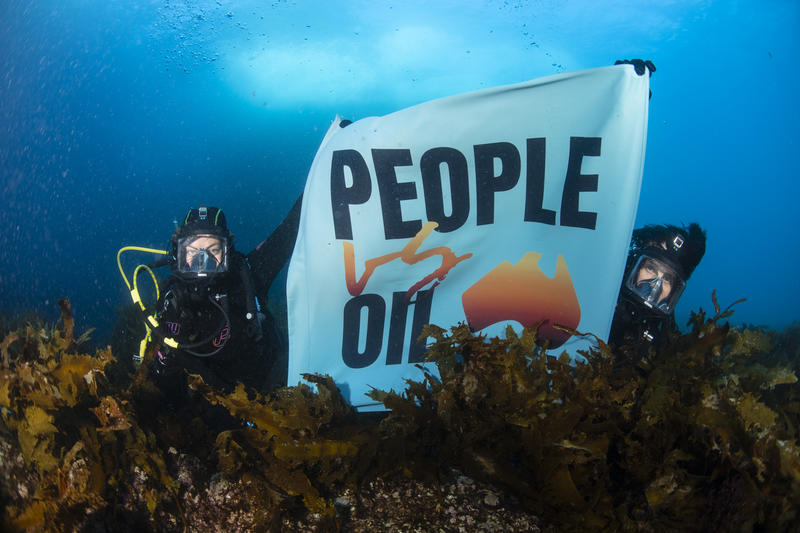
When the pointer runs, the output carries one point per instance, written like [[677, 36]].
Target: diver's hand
[[639, 65]]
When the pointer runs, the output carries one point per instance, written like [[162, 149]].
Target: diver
[[211, 318], [660, 261]]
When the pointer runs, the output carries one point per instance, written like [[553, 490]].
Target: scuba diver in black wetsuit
[[211, 318], [660, 262]]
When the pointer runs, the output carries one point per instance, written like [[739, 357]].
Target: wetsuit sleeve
[[269, 257]]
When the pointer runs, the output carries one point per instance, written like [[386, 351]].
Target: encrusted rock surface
[[458, 504], [17, 481], [212, 503]]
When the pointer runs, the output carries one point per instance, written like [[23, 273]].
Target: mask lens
[[202, 255], [655, 284]]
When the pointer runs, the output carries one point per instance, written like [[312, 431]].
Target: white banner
[[510, 205]]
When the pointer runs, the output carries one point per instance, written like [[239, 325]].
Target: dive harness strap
[[156, 329]]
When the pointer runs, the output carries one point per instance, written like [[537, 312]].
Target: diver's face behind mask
[[202, 255], [655, 284]]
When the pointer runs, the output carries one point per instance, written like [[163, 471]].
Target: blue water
[[114, 119]]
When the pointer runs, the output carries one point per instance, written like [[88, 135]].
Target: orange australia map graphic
[[523, 293]]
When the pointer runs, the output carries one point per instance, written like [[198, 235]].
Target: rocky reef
[[701, 434]]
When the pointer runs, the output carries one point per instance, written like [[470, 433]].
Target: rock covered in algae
[[699, 435], [81, 452]]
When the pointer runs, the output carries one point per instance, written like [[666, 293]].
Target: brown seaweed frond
[[79, 440], [305, 442], [703, 434]]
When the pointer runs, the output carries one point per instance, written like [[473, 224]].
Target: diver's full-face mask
[[655, 283], [202, 255]]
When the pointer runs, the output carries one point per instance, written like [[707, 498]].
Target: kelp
[[505, 411], [294, 436], [52, 398], [93, 442], [700, 433]]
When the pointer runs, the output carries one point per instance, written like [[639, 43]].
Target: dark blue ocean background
[[115, 117]]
